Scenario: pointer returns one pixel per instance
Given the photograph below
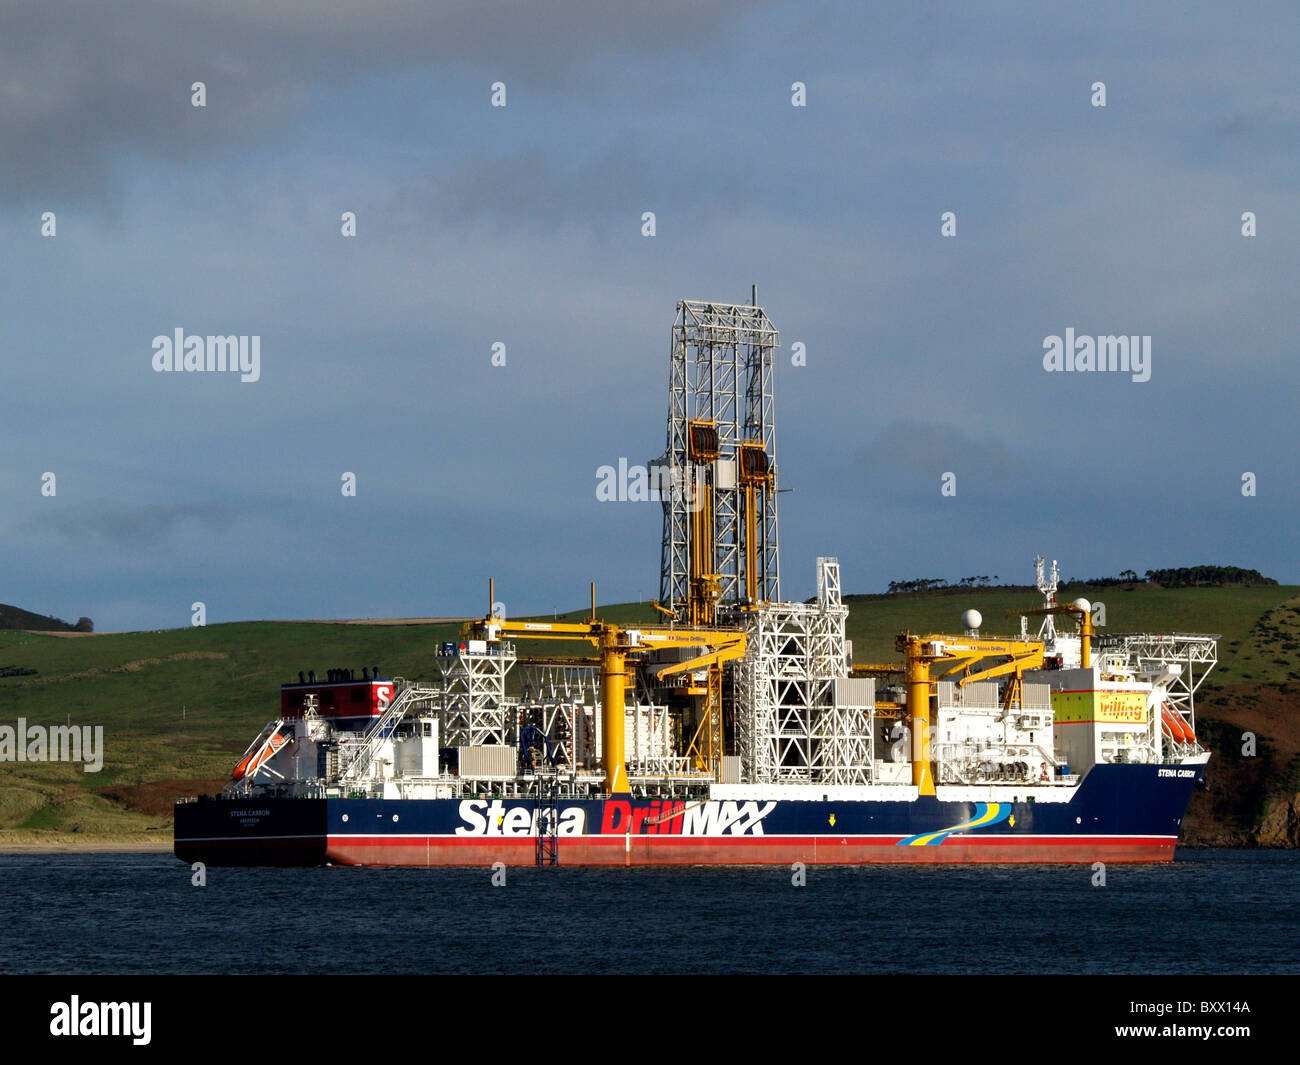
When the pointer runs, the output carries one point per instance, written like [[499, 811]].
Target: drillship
[[735, 728]]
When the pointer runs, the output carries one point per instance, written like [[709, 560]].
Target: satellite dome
[[972, 619], [1083, 605]]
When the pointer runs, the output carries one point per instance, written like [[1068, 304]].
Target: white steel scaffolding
[[474, 708], [799, 717]]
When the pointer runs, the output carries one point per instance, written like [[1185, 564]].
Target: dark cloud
[[82, 84], [535, 192], [910, 456], [523, 227], [106, 524]]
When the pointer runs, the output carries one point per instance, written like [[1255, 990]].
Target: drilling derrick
[[717, 476], [745, 686]]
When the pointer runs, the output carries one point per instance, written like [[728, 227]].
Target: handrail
[[380, 731]]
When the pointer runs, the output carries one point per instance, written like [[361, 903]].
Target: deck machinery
[[739, 719]]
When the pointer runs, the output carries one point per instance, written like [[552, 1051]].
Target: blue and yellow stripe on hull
[[986, 813]]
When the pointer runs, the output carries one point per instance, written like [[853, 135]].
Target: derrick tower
[[717, 476]]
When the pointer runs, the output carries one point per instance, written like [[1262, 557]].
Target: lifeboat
[[249, 763], [1176, 728]]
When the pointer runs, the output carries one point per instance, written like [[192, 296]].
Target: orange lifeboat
[[1175, 726], [249, 763]]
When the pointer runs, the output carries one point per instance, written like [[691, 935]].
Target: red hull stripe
[[425, 850], [740, 842], [753, 850]]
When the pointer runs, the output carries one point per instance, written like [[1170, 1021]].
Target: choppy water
[[1209, 912]]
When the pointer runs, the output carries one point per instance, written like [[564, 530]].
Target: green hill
[[179, 706], [1230, 612], [12, 617]]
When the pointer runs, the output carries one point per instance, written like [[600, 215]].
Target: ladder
[[548, 818]]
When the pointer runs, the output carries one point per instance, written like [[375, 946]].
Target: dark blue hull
[[1118, 813]]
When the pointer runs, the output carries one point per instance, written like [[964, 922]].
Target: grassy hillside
[[12, 617], [1230, 612], [179, 706]]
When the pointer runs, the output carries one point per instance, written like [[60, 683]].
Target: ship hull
[[811, 850], [1118, 813]]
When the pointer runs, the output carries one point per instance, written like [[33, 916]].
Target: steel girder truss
[[564, 702], [560, 722], [558, 699], [843, 745], [1197, 653], [555, 683], [473, 703], [721, 371], [788, 726]]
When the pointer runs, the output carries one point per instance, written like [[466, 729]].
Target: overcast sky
[[523, 225]]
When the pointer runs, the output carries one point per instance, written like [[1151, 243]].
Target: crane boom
[[617, 643]]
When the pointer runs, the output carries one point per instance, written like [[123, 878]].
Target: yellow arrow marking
[[832, 820]]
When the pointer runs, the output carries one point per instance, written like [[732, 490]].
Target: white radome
[[972, 619], [1083, 605]]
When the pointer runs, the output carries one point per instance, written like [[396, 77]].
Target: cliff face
[[1250, 795], [1281, 824]]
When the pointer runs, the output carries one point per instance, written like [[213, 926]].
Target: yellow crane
[[920, 653], [1081, 614], [617, 643]]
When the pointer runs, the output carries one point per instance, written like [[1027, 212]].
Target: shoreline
[[126, 846]]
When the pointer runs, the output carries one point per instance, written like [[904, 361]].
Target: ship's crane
[[921, 653], [617, 644], [1080, 609]]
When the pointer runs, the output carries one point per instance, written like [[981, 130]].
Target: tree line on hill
[[1187, 577], [12, 617], [935, 584], [1179, 577]]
